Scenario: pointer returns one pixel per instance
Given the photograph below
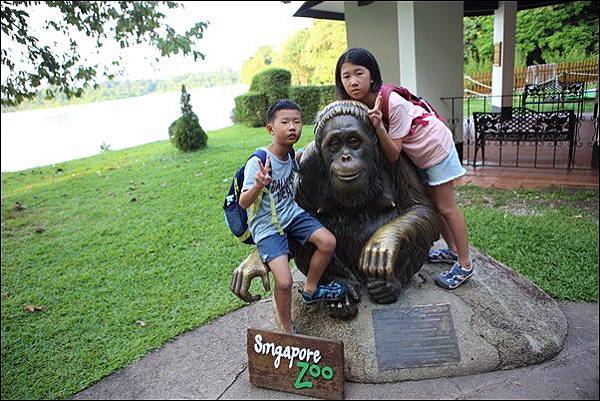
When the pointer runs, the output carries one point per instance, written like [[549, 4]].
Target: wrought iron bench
[[520, 125], [555, 93]]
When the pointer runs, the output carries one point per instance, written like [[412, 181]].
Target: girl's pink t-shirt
[[425, 145]]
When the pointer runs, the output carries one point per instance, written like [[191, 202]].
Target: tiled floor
[[534, 178]]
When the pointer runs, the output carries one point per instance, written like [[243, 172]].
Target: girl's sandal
[[454, 277]]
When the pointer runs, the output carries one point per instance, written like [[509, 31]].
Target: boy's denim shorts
[[300, 229], [445, 171]]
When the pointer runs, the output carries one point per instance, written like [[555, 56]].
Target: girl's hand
[[375, 114], [263, 177]]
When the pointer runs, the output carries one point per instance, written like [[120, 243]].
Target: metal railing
[[534, 154]]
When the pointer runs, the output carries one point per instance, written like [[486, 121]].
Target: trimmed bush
[[185, 133], [274, 82], [312, 99], [328, 95], [251, 109], [308, 98]]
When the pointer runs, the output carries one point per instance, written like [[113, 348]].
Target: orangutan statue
[[383, 222]]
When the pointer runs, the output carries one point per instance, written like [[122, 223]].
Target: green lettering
[[315, 371], [327, 373], [298, 384]]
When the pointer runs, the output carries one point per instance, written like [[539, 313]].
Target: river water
[[41, 137]]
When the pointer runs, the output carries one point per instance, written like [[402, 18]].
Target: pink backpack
[[387, 89]]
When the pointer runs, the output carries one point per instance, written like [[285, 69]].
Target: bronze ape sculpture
[[383, 221]]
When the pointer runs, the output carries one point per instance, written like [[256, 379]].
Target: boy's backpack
[[236, 216], [387, 89]]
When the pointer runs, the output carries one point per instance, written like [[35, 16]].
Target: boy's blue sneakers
[[325, 293]]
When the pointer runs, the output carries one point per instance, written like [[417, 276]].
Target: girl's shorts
[[445, 171]]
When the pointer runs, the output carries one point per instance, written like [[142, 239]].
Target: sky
[[235, 32]]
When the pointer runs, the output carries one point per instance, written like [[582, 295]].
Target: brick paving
[[532, 178]]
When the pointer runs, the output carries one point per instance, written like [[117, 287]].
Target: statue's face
[[348, 153]]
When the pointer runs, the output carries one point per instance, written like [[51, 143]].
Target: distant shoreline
[[116, 90]]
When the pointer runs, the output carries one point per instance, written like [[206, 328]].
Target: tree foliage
[[33, 63], [262, 60], [561, 32], [185, 133], [309, 54], [552, 34], [115, 89]]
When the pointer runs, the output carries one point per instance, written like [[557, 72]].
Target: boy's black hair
[[364, 58], [281, 104]]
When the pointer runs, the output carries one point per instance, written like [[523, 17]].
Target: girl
[[426, 141]]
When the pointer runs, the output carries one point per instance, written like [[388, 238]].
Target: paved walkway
[[534, 178], [211, 363]]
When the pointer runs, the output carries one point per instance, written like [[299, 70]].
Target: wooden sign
[[497, 54], [297, 364]]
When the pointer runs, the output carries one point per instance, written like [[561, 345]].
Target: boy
[[284, 124]]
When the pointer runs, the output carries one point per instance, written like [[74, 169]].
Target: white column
[[375, 28], [505, 22], [418, 44], [431, 55]]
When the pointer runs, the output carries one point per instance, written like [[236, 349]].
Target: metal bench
[[521, 125], [554, 93]]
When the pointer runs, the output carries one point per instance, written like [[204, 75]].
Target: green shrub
[[308, 98], [328, 95], [274, 82], [251, 109], [185, 133], [312, 99]]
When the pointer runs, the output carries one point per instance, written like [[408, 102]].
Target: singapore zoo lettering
[[304, 356]]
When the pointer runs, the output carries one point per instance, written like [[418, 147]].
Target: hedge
[[251, 109], [312, 99], [274, 82]]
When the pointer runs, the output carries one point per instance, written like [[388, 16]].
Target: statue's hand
[[378, 256], [242, 277], [346, 309], [384, 292]]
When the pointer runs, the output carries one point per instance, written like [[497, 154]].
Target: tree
[[262, 60], [327, 41], [32, 64], [551, 34], [309, 54], [559, 33], [292, 57], [185, 133]]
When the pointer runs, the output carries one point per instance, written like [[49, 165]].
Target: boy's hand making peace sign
[[263, 177], [375, 114]]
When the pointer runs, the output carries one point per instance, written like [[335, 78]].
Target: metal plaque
[[415, 337]]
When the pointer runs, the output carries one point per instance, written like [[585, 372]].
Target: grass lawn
[[484, 104], [109, 257]]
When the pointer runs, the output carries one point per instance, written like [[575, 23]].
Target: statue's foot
[[384, 292], [346, 309]]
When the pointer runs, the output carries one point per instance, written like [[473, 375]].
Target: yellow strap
[[256, 205], [244, 236], [274, 218]]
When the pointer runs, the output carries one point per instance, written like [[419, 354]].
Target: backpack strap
[[262, 155], [387, 89]]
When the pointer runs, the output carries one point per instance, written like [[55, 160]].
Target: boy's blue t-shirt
[[283, 190]]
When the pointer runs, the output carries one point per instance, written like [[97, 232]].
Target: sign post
[[294, 363]]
